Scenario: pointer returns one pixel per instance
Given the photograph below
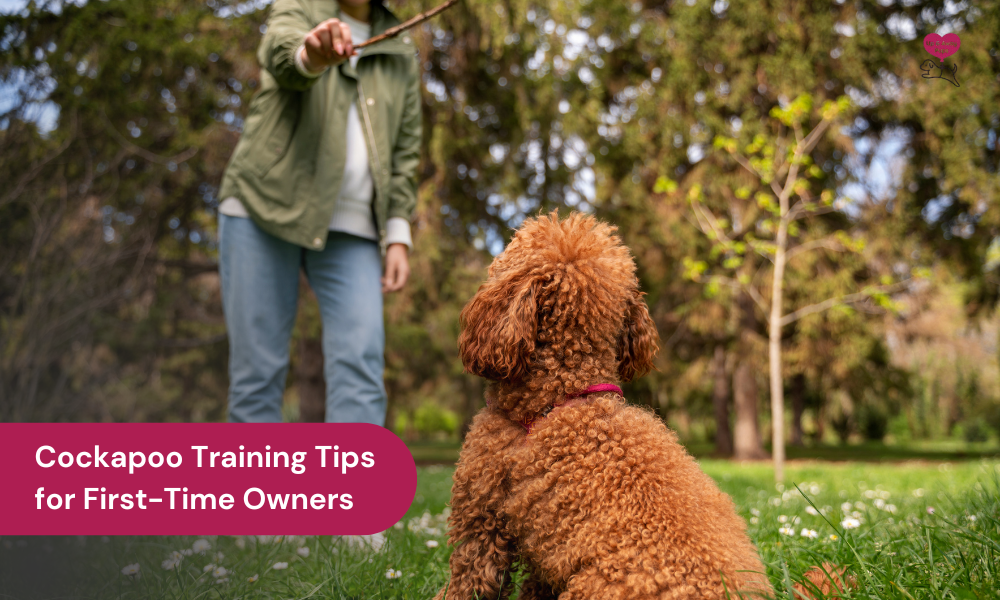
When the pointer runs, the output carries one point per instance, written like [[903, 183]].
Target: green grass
[[905, 554], [431, 453]]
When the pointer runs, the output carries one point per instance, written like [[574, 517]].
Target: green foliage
[[430, 421]]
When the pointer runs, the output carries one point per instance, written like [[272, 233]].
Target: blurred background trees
[[117, 119]]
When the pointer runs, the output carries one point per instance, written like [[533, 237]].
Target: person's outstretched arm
[[294, 52]]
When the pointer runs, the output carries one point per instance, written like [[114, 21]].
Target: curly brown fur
[[599, 500]]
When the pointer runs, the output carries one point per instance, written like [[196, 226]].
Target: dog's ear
[[637, 342], [499, 327]]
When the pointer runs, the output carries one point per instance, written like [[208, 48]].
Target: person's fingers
[[322, 33], [404, 276], [345, 36]]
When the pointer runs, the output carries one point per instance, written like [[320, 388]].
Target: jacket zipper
[[378, 162]]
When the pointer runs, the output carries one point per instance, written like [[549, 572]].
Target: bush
[[975, 431], [430, 421]]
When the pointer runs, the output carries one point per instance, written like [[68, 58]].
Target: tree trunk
[[473, 395], [774, 327], [746, 434], [798, 406], [310, 382], [720, 401]]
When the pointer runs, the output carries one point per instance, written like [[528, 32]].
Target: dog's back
[[606, 502]]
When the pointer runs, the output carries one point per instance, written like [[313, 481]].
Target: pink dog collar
[[594, 389]]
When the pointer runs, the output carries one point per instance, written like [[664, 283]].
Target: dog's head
[[568, 285]]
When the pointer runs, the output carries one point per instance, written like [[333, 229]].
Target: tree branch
[[828, 242], [398, 29], [846, 299]]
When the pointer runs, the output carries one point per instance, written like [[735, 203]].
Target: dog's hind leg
[[483, 560]]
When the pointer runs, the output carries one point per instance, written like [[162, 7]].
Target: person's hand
[[397, 268], [326, 45]]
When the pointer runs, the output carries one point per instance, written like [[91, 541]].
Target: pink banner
[[202, 479]]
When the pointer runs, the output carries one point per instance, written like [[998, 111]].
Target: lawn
[[909, 531]]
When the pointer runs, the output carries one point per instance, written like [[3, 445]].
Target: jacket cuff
[[301, 67], [397, 231]]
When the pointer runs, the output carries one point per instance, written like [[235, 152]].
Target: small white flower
[[856, 514], [879, 503], [834, 537], [171, 563], [390, 574], [432, 544], [754, 520], [303, 551], [219, 556], [918, 493], [208, 568], [809, 533], [797, 520], [755, 512], [279, 566], [187, 552], [930, 510], [782, 519], [786, 531], [891, 508], [850, 523], [846, 507], [132, 571], [971, 518], [812, 511], [254, 578], [201, 546], [220, 572], [241, 543], [222, 580]]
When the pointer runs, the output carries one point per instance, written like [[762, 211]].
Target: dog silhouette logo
[[934, 71], [941, 46]]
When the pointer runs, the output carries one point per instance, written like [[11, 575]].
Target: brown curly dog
[[593, 498]]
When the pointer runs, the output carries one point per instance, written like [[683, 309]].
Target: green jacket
[[289, 162]]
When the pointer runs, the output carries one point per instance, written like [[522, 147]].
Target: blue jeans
[[260, 288]]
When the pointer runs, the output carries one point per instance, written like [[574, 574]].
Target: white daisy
[[220, 572], [850, 523], [812, 511], [432, 543], [390, 574], [201, 546], [786, 530], [809, 533], [208, 567], [278, 566], [254, 578], [303, 551], [132, 571]]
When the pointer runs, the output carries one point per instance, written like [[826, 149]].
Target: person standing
[[323, 179]]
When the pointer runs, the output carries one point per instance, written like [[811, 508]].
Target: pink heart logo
[[942, 46]]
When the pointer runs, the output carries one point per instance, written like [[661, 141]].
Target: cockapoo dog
[[592, 497]]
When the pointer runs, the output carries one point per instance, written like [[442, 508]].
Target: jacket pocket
[[272, 128]]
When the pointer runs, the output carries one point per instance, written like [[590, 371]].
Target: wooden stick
[[398, 29]]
